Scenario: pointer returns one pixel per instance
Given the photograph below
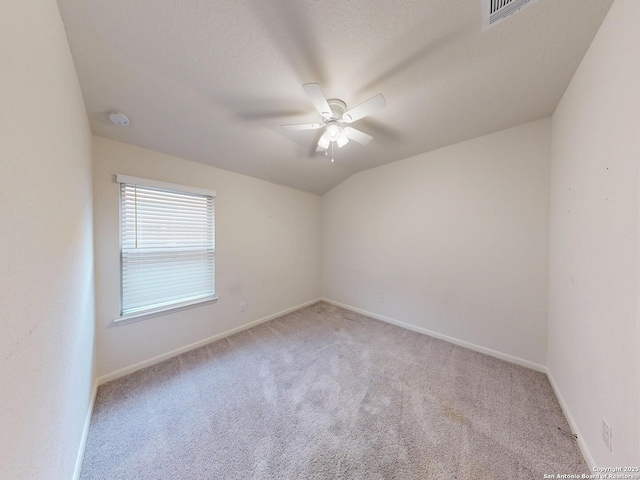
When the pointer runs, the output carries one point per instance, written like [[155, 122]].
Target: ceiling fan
[[334, 115]]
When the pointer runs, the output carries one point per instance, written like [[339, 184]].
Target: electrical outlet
[[380, 299], [607, 434], [243, 307]]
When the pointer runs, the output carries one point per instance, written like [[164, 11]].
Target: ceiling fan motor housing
[[338, 107]]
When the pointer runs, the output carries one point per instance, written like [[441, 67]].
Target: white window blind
[[167, 245]]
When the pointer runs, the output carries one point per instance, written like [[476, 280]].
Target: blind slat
[[137, 282], [171, 301]]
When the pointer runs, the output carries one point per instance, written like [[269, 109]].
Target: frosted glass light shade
[[324, 141]]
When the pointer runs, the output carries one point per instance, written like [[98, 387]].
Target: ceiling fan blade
[[365, 108], [357, 135], [303, 126], [318, 99]]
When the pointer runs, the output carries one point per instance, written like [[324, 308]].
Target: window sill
[[136, 317]]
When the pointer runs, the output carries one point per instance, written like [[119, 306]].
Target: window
[[167, 246]]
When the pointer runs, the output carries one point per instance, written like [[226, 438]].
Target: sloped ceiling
[[211, 81]]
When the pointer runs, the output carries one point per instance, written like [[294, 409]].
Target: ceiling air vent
[[495, 11]]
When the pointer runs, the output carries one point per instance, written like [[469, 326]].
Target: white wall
[[267, 253], [46, 257], [455, 239], [593, 305]]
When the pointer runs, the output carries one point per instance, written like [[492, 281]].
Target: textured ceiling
[[211, 81]]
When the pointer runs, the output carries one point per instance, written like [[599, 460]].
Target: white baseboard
[[471, 346], [85, 432], [574, 426], [160, 358]]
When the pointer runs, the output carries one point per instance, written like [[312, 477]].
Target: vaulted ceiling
[[212, 81]]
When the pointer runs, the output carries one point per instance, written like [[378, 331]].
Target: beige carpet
[[325, 393]]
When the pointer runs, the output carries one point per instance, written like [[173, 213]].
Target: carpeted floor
[[326, 393]]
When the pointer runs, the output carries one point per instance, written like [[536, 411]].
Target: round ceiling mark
[[119, 119]]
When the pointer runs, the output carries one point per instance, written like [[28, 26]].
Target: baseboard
[[471, 346], [85, 432], [160, 358], [574, 426]]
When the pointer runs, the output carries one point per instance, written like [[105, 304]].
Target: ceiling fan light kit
[[324, 142], [334, 114], [333, 130]]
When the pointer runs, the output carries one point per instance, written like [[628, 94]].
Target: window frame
[[177, 306]]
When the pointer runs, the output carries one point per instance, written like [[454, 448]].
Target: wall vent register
[[495, 11]]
